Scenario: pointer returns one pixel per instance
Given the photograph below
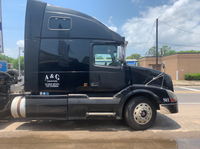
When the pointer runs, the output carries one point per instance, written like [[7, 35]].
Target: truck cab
[[75, 68]]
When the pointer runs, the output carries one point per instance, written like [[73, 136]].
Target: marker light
[[172, 96]]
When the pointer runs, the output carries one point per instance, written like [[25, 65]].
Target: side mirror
[[120, 53], [163, 65]]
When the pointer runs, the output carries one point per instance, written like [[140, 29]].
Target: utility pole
[[156, 44]]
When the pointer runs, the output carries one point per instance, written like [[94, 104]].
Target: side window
[[56, 23], [105, 55], [64, 55]]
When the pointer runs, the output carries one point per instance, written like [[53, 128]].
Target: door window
[[105, 55]]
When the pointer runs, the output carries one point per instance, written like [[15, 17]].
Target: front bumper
[[169, 108]]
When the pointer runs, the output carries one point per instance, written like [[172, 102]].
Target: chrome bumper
[[169, 108]]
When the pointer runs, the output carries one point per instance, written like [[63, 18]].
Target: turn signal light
[[85, 85]]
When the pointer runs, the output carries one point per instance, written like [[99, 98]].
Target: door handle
[[94, 84]]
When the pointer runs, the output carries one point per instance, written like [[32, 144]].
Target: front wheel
[[140, 113]]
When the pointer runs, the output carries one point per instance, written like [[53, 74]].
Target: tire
[[140, 113]]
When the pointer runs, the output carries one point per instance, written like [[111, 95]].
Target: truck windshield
[[105, 55]]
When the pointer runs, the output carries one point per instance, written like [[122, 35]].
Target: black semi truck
[[75, 68]]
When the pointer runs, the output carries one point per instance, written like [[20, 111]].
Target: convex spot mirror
[[120, 53], [163, 65]]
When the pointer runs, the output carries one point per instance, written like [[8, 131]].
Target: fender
[[129, 92]]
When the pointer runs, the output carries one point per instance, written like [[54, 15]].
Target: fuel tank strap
[[18, 107]]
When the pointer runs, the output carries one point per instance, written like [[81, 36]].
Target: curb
[[186, 84]]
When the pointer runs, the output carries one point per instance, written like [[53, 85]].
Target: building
[[132, 62], [177, 65]]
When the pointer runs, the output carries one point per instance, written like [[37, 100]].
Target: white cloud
[[111, 25], [20, 43], [14, 53], [172, 1], [183, 14], [110, 20], [114, 28], [11, 52]]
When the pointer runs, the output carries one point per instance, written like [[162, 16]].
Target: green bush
[[188, 76], [192, 76], [197, 76]]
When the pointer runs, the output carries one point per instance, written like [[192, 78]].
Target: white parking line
[[190, 89]]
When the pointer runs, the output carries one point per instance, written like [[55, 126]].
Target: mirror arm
[[121, 65], [163, 78], [160, 75], [125, 45]]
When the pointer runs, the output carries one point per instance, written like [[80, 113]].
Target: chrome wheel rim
[[142, 113]]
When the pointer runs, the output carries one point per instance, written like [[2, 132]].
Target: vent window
[[56, 23]]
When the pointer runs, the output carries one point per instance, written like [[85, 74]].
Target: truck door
[[106, 73]]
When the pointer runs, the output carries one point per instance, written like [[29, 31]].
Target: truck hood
[[142, 75]]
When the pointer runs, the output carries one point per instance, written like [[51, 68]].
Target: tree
[[164, 51], [99, 57], [189, 51], [152, 52], [108, 58], [6, 58], [16, 63], [170, 52], [134, 56]]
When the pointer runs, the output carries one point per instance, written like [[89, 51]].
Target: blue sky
[[133, 19]]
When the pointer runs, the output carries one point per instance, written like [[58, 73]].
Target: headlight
[[172, 96]]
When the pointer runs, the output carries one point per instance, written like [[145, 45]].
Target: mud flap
[[4, 110]]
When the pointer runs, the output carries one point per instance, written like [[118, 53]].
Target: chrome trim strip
[[18, 107], [100, 114], [93, 98], [78, 95]]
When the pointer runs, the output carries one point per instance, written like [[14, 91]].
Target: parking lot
[[180, 130]]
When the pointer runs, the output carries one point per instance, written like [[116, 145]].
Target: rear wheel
[[140, 113]]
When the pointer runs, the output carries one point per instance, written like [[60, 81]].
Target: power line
[[179, 28], [178, 44], [190, 44], [149, 37]]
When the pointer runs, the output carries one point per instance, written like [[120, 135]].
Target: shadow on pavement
[[162, 123]]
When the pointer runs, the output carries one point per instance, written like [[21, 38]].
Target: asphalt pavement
[[181, 130], [188, 94]]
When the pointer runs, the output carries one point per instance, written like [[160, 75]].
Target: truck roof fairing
[[83, 26]]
